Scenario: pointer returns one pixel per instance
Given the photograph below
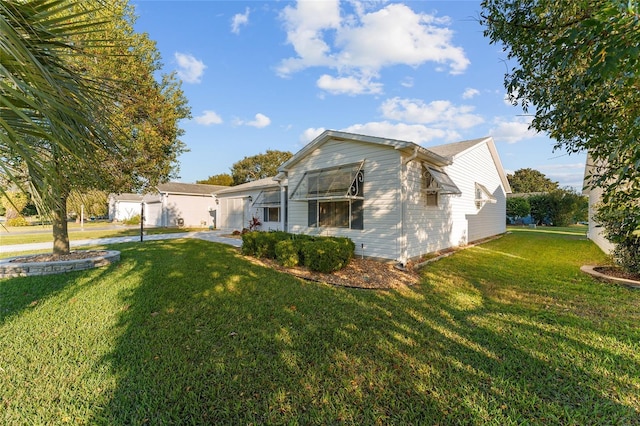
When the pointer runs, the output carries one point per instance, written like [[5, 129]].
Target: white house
[[261, 199], [595, 233], [188, 204], [174, 204], [125, 206], [394, 199]]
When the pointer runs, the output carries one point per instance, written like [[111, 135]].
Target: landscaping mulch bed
[[50, 257], [615, 272], [359, 273]]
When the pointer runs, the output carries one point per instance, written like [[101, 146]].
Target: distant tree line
[[544, 200]]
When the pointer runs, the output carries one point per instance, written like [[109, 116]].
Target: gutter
[[403, 205]]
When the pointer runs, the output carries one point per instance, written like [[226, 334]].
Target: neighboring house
[[125, 206], [188, 204], [260, 199], [395, 199], [174, 204], [595, 232]]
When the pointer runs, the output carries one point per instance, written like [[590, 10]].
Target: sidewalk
[[213, 236]]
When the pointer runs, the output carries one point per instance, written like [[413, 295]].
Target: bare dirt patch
[[359, 273]]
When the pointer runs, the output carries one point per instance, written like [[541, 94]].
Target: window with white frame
[[334, 196]]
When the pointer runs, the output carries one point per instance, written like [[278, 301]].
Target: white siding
[[476, 165], [195, 211], [381, 234], [595, 232], [428, 228]]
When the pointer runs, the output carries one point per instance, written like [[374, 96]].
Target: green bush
[[324, 254], [17, 221], [266, 243], [133, 220], [327, 254], [249, 243], [287, 253]]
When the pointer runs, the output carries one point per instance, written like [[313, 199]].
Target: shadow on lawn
[[208, 337]]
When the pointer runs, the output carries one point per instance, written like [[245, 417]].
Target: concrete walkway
[[213, 236]]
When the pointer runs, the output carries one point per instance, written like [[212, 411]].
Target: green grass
[[188, 332], [24, 236]]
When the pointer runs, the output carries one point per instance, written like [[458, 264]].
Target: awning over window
[[438, 181], [268, 198], [483, 195], [342, 182]]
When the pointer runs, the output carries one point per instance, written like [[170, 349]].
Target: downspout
[[403, 206]]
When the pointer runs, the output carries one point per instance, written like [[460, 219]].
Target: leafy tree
[[141, 113], [14, 202], [258, 166], [561, 207], [221, 179], [577, 68], [530, 180], [518, 207], [94, 202]]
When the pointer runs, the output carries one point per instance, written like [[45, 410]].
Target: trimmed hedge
[[323, 254]]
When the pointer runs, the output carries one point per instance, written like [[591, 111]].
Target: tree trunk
[[60, 230]]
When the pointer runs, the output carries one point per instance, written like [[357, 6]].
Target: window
[[336, 214], [436, 182], [271, 214], [483, 196], [334, 196]]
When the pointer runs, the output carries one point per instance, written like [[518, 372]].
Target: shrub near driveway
[[188, 332]]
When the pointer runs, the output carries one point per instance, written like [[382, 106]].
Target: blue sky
[[265, 75]]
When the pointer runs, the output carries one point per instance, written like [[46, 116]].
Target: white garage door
[[234, 214]]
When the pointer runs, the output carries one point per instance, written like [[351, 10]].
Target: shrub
[[622, 227], [287, 253], [249, 243], [17, 221], [133, 220], [327, 254], [266, 243]]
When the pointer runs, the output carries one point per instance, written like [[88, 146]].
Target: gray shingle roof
[[189, 188]]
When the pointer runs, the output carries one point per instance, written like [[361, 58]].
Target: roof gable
[[458, 149], [329, 135]]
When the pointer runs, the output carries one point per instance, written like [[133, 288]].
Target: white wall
[[476, 165], [595, 233], [428, 228], [194, 210], [381, 234]]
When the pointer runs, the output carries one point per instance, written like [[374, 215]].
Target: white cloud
[[361, 44], [238, 20], [348, 85], [259, 121], [570, 174], [470, 93], [407, 82], [512, 131], [310, 134], [441, 114], [190, 69], [208, 118], [417, 133]]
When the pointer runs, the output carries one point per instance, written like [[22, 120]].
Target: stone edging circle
[[9, 269], [590, 269]]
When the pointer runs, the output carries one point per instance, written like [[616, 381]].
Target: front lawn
[[189, 332]]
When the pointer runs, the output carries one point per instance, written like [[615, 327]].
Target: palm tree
[[49, 110]]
